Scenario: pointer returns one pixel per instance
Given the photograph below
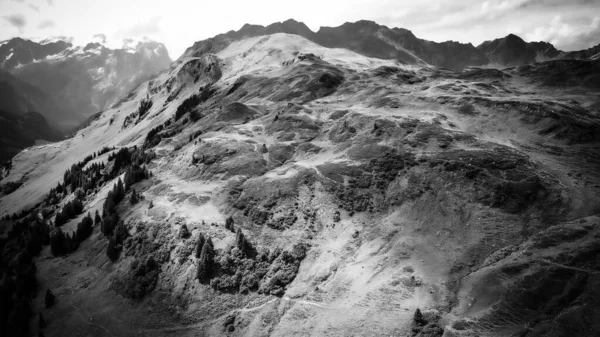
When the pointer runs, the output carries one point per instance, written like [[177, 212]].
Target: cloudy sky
[[568, 24]]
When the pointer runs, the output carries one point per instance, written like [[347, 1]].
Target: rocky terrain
[[269, 185]]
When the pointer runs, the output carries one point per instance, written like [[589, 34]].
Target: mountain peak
[[513, 37]]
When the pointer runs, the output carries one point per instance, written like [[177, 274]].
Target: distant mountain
[[364, 37], [371, 39], [592, 53], [514, 51], [19, 97], [84, 79], [18, 51], [374, 40], [21, 121]]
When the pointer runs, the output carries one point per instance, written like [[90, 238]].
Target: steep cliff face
[[84, 80], [271, 186]]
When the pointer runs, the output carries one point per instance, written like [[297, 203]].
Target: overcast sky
[[568, 24]]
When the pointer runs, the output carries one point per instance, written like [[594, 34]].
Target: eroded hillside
[[281, 188]]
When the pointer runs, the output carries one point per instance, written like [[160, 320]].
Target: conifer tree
[[134, 198], [41, 321], [241, 243], [97, 219], [418, 317], [205, 263], [199, 245], [57, 243], [229, 224], [111, 249], [49, 299]]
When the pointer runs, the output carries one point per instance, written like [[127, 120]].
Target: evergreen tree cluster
[[30, 232], [134, 174], [111, 226], [89, 180], [63, 244], [85, 227], [18, 283], [110, 217], [195, 135], [242, 268], [7, 165], [205, 260], [70, 210], [120, 160], [153, 137], [140, 279], [187, 105], [144, 107], [9, 187], [426, 325], [190, 103]]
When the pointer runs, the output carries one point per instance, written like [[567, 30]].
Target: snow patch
[[53, 39], [9, 55]]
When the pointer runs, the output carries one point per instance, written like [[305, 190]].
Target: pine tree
[[229, 224], [120, 233], [59, 220], [49, 299], [111, 249], [85, 228], [41, 321], [57, 243], [97, 219], [119, 191], [205, 263], [109, 204], [241, 243], [109, 223], [184, 232], [134, 198], [418, 317], [199, 245]]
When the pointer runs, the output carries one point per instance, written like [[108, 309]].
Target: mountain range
[[374, 40], [274, 181], [82, 79]]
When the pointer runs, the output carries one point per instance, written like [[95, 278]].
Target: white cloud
[[568, 36], [142, 28], [16, 20], [46, 24]]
